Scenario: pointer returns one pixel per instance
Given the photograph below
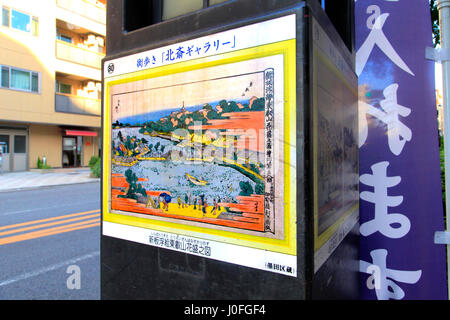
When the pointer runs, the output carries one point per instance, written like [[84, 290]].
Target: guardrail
[[75, 104], [84, 8], [72, 53]]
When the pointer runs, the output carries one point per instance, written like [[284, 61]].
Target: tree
[[133, 188], [233, 106], [246, 188], [254, 168], [259, 188], [212, 114], [207, 107], [435, 22], [128, 144], [258, 104], [141, 190], [224, 106]]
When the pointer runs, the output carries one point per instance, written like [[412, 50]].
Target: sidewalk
[[35, 178]]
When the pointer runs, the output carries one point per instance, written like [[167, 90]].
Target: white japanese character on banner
[[382, 278], [365, 109], [382, 220], [398, 133], [377, 37]]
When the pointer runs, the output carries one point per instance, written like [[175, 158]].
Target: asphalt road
[[50, 243]]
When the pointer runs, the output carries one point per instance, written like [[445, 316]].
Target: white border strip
[[257, 34], [244, 256]]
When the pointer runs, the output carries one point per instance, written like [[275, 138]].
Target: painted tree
[[246, 188], [259, 188], [133, 188]]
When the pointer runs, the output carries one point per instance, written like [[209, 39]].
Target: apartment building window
[[5, 77], [4, 138], [63, 37], [20, 21], [20, 144], [35, 26], [5, 17], [19, 79], [63, 87]]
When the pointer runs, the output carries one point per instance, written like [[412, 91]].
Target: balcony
[[72, 53], [76, 104], [84, 13], [87, 9]]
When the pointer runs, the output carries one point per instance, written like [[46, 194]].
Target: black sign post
[[230, 152]]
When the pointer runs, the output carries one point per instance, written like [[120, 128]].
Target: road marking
[[37, 209], [88, 221], [49, 268], [47, 219], [48, 224], [51, 231]]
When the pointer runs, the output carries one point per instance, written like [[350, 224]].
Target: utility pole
[[444, 22]]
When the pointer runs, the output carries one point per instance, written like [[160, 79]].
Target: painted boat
[[195, 181]]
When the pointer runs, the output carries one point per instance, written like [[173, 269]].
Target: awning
[[81, 133]]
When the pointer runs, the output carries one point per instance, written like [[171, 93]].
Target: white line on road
[[44, 208], [48, 269]]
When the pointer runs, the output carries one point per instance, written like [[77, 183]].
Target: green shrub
[[40, 164], [95, 164], [93, 161]]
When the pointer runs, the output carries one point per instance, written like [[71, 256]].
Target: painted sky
[[139, 98]]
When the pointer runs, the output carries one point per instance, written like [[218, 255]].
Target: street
[[50, 243]]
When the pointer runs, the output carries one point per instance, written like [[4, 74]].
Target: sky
[[143, 99]]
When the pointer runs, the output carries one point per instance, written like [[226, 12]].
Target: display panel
[[199, 154], [335, 148]]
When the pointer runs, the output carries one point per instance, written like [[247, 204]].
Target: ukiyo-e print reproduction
[[335, 137], [337, 157], [198, 148]]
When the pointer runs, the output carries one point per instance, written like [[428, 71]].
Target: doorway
[[71, 152], [14, 145]]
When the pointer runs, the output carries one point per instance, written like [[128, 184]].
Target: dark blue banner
[[400, 189]]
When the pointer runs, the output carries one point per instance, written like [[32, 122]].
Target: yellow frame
[[288, 245], [319, 241]]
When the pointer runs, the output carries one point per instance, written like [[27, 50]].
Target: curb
[[47, 186]]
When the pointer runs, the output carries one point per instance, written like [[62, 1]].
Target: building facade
[[50, 89]]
